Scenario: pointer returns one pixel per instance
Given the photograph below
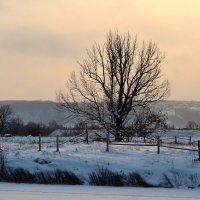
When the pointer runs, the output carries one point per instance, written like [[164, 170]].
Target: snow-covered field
[[180, 167], [46, 192]]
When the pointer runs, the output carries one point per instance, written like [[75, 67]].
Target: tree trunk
[[118, 127]]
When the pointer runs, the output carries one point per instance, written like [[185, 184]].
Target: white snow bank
[[181, 168], [49, 192]]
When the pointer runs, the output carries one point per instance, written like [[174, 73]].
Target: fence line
[[134, 144], [159, 145], [147, 141], [184, 149]]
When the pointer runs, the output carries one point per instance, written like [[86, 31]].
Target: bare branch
[[115, 79]]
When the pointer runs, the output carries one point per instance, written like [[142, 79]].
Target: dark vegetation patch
[[20, 175], [100, 177], [136, 180], [106, 177], [166, 183]]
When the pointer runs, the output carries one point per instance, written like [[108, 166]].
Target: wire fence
[[160, 143], [184, 143]]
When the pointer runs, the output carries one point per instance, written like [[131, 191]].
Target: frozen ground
[[180, 167], [46, 192]]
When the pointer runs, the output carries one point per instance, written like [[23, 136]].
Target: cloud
[[38, 43]]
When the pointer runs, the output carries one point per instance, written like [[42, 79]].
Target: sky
[[41, 41]]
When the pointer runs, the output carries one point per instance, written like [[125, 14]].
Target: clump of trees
[[192, 125], [147, 122], [9, 124], [16, 127], [5, 117], [118, 80]]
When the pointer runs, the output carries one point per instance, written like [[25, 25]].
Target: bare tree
[[33, 128], [115, 79], [5, 115], [192, 125], [147, 122], [15, 126]]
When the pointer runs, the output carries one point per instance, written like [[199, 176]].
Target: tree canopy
[[116, 79]]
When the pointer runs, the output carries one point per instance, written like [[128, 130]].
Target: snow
[[50, 192], [181, 167]]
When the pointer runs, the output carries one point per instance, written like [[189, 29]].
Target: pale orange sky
[[42, 40]]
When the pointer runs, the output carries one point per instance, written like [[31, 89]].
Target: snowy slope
[[181, 167]]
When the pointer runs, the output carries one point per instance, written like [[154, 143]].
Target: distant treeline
[[16, 127]]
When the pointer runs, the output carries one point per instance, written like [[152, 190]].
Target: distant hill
[[179, 112], [36, 111]]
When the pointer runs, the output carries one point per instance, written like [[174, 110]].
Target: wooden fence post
[[190, 140], [144, 139], [128, 139], [175, 140], [107, 142], [198, 150], [39, 142], [86, 136], [158, 145], [57, 143]]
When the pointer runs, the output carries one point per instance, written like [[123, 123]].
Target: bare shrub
[[106, 177], [58, 177], [135, 179], [2, 159], [18, 175], [5, 175], [166, 183], [21, 175], [64, 177], [3, 155]]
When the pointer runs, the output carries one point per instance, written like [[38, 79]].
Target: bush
[[2, 159], [135, 179], [3, 155], [20, 175], [166, 183], [58, 177], [106, 177]]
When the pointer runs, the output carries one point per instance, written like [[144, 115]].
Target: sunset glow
[[41, 41]]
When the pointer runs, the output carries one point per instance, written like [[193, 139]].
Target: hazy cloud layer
[[41, 40], [37, 43]]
